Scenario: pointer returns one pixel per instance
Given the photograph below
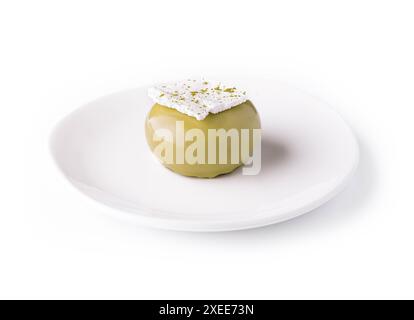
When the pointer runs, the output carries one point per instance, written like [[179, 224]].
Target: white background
[[58, 55]]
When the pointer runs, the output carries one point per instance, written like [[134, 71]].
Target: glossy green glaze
[[243, 116]]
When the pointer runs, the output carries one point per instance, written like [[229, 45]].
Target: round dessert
[[200, 128]]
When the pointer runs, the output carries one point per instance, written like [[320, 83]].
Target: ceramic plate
[[308, 155]]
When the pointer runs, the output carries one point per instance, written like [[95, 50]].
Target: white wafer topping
[[197, 98]]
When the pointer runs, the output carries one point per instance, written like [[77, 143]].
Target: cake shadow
[[274, 153]]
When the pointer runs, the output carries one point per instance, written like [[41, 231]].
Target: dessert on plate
[[201, 128]]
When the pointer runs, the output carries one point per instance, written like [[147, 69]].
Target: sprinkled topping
[[197, 98]]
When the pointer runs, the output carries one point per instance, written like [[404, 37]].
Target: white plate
[[308, 155]]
